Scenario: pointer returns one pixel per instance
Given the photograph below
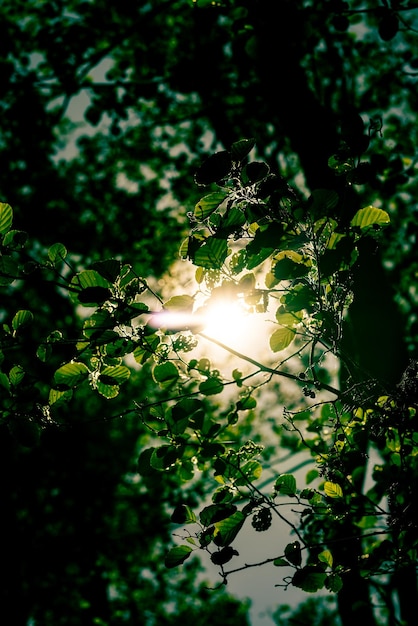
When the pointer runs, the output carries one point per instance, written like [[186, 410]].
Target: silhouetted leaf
[[293, 553], [388, 26], [309, 579], [214, 169], [223, 556], [240, 149]]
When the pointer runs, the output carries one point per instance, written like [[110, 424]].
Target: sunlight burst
[[229, 323]]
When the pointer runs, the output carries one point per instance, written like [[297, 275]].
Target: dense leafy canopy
[[271, 147]]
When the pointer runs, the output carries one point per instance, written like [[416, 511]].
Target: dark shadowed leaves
[[214, 169]]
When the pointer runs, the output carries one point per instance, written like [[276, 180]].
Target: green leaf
[[9, 270], [250, 472], [108, 269], [144, 462], [110, 378], [216, 512], [229, 223], [166, 374], [211, 386], [326, 557], [281, 339], [309, 579], [289, 269], [164, 457], [16, 375], [115, 374], [287, 319], [15, 239], [89, 288], [179, 303], [285, 485], [4, 381], [177, 555], [21, 319], [228, 529], [334, 583], [207, 205], [370, 216], [246, 404], [240, 149], [293, 553], [280, 562], [6, 217], [333, 490], [57, 253], [57, 396], [143, 352], [71, 374], [211, 254]]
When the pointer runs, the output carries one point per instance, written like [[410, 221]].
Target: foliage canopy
[[302, 208]]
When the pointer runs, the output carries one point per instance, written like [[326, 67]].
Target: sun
[[225, 321], [229, 323]]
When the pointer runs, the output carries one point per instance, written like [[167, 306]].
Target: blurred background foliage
[[107, 110]]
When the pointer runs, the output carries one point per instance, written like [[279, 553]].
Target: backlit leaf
[[211, 386], [370, 216], [57, 252], [16, 374], [281, 339], [166, 374], [216, 512], [94, 286], [180, 303], [333, 490], [211, 254], [21, 319], [6, 217], [228, 529], [209, 204], [177, 555], [71, 374], [326, 557], [285, 485]]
